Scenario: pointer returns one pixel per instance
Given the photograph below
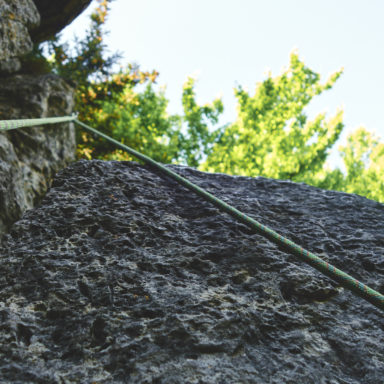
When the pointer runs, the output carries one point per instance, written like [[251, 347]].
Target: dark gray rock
[[16, 18], [55, 15], [30, 157], [123, 276], [24, 21]]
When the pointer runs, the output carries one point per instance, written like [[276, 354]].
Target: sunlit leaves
[[111, 102], [198, 138], [140, 120], [89, 68], [272, 135], [364, 161]]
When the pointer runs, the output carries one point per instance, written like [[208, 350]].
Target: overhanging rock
[[56, 15], [123, 276]]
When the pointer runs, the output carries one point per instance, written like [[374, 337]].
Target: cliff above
[[30, 157], [122, 275], [56, 15], [24, 22]]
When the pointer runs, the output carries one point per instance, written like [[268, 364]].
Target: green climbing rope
[[6, 125], [345, 280]]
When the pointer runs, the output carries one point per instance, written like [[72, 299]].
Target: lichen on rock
[[16, 18], [122, 275], [30, 157]]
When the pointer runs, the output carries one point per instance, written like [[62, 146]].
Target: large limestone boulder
[[124, 276]]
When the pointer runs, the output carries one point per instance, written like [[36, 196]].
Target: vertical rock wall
[[30, 157], [16, 18]]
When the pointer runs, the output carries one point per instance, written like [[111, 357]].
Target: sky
[[226, 43]]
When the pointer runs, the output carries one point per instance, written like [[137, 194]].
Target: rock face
[[16, 18], [24, 21], [30, 157], [124, 276], [55, 15]]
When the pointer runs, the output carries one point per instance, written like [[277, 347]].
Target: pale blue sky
[[230, 42]]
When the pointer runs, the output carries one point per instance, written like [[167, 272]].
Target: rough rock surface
[[123, 276], [55, 15], [16, 18], [24, 21], [30, 157]]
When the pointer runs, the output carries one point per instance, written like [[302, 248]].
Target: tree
[[272, 136], [363, 158], [110, 102], [364, 162], [141, 119], [91, 70], [199, 138]]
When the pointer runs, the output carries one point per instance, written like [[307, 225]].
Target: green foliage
[[111, 102], [198, 140], [35, 63], [140, 120], [364, 162], [272, 136], [363, 157], [92, 71]]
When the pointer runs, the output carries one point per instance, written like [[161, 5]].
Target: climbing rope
[[345, 280], [6, 125]]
